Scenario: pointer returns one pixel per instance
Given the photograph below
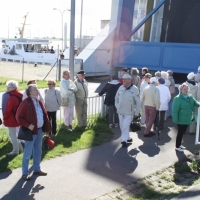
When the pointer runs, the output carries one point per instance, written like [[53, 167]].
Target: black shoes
[[123, 144], [130, 140]]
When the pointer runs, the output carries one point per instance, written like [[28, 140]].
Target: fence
[[95, 109], [28, 71]]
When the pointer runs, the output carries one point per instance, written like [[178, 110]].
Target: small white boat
[[28, 50]]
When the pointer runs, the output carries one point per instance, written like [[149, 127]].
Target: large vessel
[[28, 50]]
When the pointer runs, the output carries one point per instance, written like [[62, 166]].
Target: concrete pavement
[[90, 173]]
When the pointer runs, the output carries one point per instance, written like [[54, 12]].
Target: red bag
[[48, 142]]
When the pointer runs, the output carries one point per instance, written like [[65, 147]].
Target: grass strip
[[96, 133]]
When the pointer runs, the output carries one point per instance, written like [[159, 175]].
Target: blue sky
[[44, 21]]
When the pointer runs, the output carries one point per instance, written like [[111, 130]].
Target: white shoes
[[12, 153], [179, 149], [142, 125], [182, 147]]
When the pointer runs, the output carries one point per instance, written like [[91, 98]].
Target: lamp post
[[81, 26], [95, 30], [61, 12]]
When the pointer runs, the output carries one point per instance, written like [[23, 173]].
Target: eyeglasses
[[49, 84]]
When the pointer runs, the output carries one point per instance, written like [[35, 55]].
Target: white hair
[[12, 84], [164, 75]]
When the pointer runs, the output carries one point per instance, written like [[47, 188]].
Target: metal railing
[[95, 109]]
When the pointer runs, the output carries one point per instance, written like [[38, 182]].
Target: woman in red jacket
[[9, 116]]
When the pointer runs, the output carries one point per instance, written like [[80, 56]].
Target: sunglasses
[[49, 84]]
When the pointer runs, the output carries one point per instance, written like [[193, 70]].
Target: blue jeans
[[169, 111], [33, 147]]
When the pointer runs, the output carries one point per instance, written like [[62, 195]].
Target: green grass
[[22, 86], [66, 142]]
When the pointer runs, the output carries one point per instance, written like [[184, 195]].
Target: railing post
[[102, 107]]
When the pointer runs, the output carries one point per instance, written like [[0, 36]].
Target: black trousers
[[52, 119], [160, 119], [181, 130]]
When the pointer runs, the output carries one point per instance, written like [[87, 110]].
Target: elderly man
[[81, 99], [127, 102], [32, 114], [151, 100], [194, 90], [144, 84]]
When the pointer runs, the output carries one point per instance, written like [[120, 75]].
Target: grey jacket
[[127, 101]]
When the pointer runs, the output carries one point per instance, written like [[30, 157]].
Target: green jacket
[[182, 109]]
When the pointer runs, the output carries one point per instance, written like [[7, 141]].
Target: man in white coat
[[165, 97], [127, 102]]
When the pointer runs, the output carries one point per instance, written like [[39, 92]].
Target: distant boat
[[28, 50]]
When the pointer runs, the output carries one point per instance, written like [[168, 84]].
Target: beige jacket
[[151, 96], [82, 89]]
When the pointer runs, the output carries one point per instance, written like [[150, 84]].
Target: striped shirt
[[39, 113]]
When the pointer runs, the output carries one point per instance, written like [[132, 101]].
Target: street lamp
[[61, 12], [94, 29]]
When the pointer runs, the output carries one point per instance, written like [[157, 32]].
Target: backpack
[[19, 99]]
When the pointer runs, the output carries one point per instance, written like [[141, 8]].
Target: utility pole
[[72, 35]]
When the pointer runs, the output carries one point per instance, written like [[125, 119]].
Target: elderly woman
[[52, 103], [135, 78], [67, 89], [183, 113], [165, 76], [11, 107]]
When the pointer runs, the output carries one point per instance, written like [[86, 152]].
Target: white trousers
[[15, 142], [124, 123], [68, 115]]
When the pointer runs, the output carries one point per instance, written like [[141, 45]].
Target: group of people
[[30, 110], [152, 99]]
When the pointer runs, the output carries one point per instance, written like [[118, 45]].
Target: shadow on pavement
[[24, 190]]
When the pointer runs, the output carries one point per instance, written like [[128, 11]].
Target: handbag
[[64, 102], [25, 133], [172, 89], [48, 142]]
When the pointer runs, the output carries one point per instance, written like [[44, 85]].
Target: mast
[[21, 32]]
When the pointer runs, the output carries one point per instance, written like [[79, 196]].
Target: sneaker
[[179, 149], [116, 125], [142, 125], [69, 129], [12, 153], [110, 125], [123, 144], [182, 147]]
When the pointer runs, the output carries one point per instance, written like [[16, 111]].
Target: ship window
[[18, 46]]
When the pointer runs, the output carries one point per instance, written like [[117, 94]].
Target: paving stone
[[123, 191], [113, 194], [126, 196], [131, 187], [105, 197], [187, 175], [139, 184]]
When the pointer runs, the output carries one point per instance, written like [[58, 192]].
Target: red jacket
[[23, 115], [11, 108]]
